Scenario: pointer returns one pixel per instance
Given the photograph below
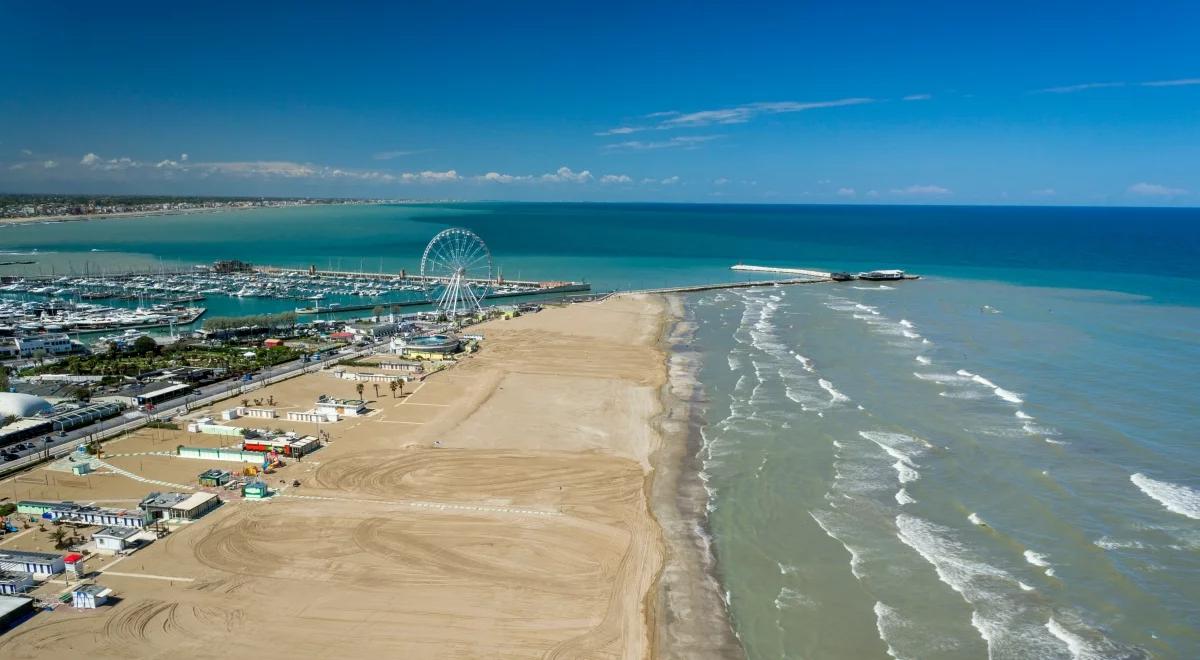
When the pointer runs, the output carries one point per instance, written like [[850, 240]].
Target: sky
[[1065, 102]]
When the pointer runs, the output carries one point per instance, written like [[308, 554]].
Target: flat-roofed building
[[179, 506], [15, 582], [28, 561]]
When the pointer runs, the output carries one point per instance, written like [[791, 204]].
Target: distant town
[[56, 206]]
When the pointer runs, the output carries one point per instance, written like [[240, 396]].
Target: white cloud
[[918, 97], [17, 166], [1045, 192], [735, 115], [1172, 83], [1155, 190], [1068, 89], [26, 152], [921, 190], [744, 113], [49, 164], [183, 157], [681, 142], [720, 181], [615, 178], [166, 164], [496, 177], [430, 177], [565, 175], [845, 192], [872, 193], [621, 130], [670, 181], [89, 159], [389, 155], [278, 168]]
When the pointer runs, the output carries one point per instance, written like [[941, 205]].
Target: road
[[56, 445]]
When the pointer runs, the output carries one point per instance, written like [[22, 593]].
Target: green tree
[[392, 386], [145, 345], [39, 354], [359, 388], [59, 536], [82, 393]]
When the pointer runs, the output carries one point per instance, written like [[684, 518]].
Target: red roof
[[72, 558], [342, 335]]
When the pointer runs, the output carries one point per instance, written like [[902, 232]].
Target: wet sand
[[527, 531]]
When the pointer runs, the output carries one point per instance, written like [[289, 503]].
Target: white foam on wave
[[945, 379], [1040, 560], [1094, 646], [1109, 543], [902, 497], [881, 287], [734, 363], [887, 620], [906, 323], [996, 611], [900, 447], [1176, 498], [834, 395], [921, 359], [1021, 414], [1024, 587], [1011, 397], [855, 559], [806, 363], [786, 569], [789, 597], [975, 519]]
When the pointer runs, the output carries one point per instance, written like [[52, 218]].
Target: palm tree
[[359, 388], [376, 389], [392, 386], [59, 536]]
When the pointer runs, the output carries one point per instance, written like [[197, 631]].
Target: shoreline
[[691, 617], [86, 217]]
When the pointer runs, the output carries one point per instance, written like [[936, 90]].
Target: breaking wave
[[1174, 497]]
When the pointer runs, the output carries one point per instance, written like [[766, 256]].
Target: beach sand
[[527, 532]]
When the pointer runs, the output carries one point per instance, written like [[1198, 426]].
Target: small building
[[343, 407], [231, 413], [179, 506], [14, 609], [260, 413], [215, 478], [287, 445], [28, 561], [114, 539], [255, 490], [75, 563], [90, 596], [15, 582], [312, 416], [68, 511], [273, 343], [342, 336], [405, 366]]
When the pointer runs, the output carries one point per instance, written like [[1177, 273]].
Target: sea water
[[951, 468], [997, 460]]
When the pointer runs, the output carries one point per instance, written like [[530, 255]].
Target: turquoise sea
[[998, 460]]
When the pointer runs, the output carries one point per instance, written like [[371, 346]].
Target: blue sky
[[869, 102]]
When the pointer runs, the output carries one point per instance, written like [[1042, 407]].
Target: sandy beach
[[527, 531]]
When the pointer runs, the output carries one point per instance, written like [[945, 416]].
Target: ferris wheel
[[456, 270]]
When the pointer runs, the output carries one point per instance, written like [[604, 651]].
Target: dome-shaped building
[[16, 404]]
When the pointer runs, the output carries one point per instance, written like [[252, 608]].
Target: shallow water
[[903, 471]]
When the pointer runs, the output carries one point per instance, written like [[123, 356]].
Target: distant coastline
[[82, 217]]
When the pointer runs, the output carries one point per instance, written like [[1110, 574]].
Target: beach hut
[[255, 490], [214, 478], [75, 564], [113, 540], [90, 596]]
